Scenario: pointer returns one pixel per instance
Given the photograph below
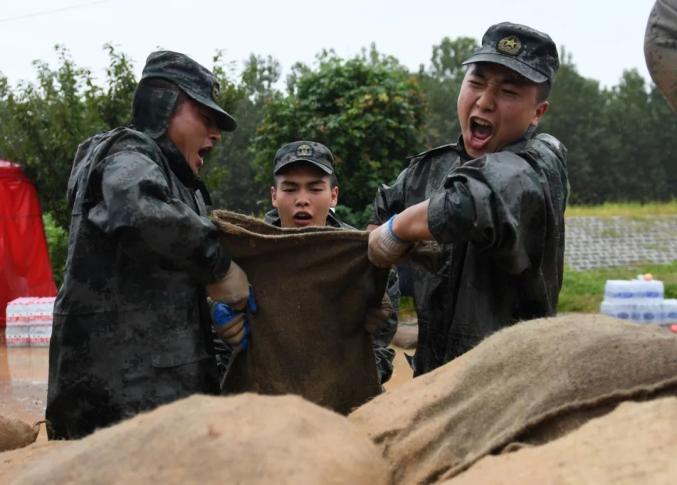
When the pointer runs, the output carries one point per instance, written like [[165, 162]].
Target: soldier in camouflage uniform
[[131, 327], [494, 202], [305, 193]]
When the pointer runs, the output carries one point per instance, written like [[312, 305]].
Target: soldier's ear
[[334, 196], [273, 196], [541, 109]]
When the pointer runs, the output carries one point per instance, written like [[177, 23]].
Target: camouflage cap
[[526, 51], [304, 151], [195, 80]]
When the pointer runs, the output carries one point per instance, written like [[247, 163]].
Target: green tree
[[577, 117], [43, 124], [229, 172], [440, 84], [368, 110]]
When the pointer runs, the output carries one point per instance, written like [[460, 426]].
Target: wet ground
[[23, 382]]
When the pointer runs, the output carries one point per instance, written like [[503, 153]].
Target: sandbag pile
[[530, 383], [636, 443], [14, 433], [242, 439], [313, 287]]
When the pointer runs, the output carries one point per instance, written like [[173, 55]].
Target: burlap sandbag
[[531, 382], [14, 433], [313, 287], [14, 462], [634, 444], [205, 439]]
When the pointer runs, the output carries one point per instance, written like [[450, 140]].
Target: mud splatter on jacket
[[131, 329], [499, 223]]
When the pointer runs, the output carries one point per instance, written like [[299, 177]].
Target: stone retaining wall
[[596, 242]]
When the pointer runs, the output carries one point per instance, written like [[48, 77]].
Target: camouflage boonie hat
[[195, 80], [304, 151], [526, 51]]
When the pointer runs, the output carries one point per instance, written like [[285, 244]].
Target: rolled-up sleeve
[[496, 202]]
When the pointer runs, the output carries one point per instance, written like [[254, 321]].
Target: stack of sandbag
[[242, 439], [635, 443], [530, 383], [14, 433], [313, 287]]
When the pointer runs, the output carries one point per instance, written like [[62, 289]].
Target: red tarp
[[24, 260]]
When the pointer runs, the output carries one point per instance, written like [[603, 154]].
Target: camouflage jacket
[[131, 330], [499, 223], [383, 354]]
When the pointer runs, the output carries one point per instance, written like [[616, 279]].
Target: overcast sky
[[605, 37]]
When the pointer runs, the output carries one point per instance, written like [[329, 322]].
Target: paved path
[[595, 242]]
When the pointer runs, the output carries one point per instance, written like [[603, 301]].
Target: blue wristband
[[392, 233]]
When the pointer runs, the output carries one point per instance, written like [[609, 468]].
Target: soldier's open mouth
[[302, 216], [202, 152], [480, 129]]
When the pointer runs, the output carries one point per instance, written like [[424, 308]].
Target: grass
[[633, 210], [583, 291]]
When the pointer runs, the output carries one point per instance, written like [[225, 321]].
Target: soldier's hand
[[230, 325], [385, 248], [232, 289], [377, 317]]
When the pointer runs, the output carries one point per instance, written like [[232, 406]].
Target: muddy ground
[[23, 380]]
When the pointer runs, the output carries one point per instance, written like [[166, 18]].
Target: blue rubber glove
[[231, 325]]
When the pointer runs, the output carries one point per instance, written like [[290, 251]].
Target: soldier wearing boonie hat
[[131, 324], [494, 202]]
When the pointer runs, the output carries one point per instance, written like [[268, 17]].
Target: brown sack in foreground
[[636, 443], [206, 439], [532, 382], [313, 287], [12, 463], [14, 433]]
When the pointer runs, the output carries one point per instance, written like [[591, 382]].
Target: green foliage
[[583, 291], [43, 124], [441, 83], [367, 110], [57, 244], [631, 210], [229, 173]]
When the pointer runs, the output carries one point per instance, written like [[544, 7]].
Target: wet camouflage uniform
[[660, 48], [499, 220], [383, 354], [131, 329]]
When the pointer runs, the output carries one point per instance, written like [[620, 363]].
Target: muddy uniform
[[499, 221], [383, 354], [130, 328]]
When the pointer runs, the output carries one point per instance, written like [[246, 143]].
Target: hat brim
[[325, 169], [511, 63], [224, 121]]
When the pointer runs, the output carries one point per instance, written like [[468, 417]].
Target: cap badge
[[304, 150], [509, 45], [215, 91]]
